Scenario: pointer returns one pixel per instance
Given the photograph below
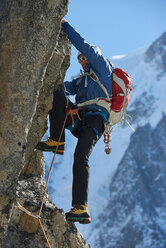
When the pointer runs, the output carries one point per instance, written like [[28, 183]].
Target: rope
[[41, 207], [48, 243], [27, 211], [70, 112]]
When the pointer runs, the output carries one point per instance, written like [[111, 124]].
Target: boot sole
[[80, 220], [50, 150], [59, 152]]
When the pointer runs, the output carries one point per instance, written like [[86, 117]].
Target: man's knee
[[59, 94], [59, 97]]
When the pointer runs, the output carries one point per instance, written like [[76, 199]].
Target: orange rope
[[70, 112], [44, 233], [52, 165]]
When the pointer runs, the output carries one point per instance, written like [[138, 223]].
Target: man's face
[[83, 61]]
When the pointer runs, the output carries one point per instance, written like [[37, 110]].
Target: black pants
[[88, 131]]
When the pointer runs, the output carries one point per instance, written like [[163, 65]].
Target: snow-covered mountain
[[127, 190], [135, 215]]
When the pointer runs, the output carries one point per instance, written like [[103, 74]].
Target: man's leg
[[91, 131], [86, 141], [57, 117]]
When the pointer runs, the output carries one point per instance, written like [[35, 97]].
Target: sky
[[117, 27]]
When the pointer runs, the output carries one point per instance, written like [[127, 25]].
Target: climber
[[86, 123]]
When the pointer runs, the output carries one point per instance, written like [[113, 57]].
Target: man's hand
[[63, 20], [67, 2]]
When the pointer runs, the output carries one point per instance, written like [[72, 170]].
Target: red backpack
[[121, 88]]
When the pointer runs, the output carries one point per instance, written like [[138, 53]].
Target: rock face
[[34, 55]]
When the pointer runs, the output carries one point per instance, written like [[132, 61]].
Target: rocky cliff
[[34, 55]]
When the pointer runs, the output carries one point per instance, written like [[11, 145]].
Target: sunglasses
[[81, 58]]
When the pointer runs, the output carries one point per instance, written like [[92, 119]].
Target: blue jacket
[[88, 89]]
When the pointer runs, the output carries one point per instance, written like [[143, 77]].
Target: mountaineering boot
[[51, 146], [79, 214]]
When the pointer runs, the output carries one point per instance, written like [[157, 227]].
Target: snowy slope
[[146, 106], [136, 212]]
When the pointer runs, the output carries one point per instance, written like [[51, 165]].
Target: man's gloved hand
[[63, 20], [67, 2]]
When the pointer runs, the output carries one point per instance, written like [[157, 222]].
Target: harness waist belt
[[92, 110]]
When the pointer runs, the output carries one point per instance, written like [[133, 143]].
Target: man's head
[[83, 61]]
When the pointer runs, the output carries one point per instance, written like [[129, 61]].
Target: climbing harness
[[70, 112]]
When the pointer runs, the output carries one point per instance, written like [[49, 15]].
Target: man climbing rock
[[85, 118]]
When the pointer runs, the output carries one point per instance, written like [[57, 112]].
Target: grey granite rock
[[34, 55]]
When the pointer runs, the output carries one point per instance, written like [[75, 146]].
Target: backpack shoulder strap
[[93, 75]]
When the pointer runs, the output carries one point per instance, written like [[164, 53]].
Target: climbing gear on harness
[[72, 112], [79, 214], [51, 145], [107, 137]]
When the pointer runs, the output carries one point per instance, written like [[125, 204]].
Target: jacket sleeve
[[91, 52], [69, 87]]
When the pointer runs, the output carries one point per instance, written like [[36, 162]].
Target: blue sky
[[117, 27]]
